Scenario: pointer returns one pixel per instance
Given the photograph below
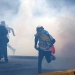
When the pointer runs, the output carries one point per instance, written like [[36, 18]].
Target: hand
[[35, 46]]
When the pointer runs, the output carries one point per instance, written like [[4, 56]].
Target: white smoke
[[53, 15], [25, 25]]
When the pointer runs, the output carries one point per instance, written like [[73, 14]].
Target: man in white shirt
[[9, 30]]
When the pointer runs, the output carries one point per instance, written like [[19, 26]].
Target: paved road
[[19, 67], [22, 66]]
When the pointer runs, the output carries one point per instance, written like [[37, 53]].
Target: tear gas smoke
[[54, 15]]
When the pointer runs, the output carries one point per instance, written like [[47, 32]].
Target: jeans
[[47, 55], [3, 49]]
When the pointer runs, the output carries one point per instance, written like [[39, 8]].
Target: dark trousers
[[47, 55], [5, 53], [3, 49]]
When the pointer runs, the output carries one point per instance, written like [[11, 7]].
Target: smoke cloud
[[56, 16]]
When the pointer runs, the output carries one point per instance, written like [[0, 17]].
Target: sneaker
[[6, 60], [53, 57]]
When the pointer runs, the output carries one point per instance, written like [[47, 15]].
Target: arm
[[52, 42], [36, 40], [51, 38], [11, 29]]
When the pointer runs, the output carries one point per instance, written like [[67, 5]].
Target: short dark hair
[[3, 22]]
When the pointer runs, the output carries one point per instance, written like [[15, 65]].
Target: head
[[39, 29], [3, 23]]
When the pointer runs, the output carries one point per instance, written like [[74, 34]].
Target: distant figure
[[43, 43], [3, 42], [9, 30]]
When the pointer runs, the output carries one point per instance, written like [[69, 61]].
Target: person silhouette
[[43, 43], [9, 30]]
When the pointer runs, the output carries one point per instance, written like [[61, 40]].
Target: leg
[[4, 47], [1, 51], [40, 58], [48, 56], [5, 54], [53, 57], [11, 48]]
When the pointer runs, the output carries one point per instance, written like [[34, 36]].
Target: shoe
[[53, 57], [6, 60]]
